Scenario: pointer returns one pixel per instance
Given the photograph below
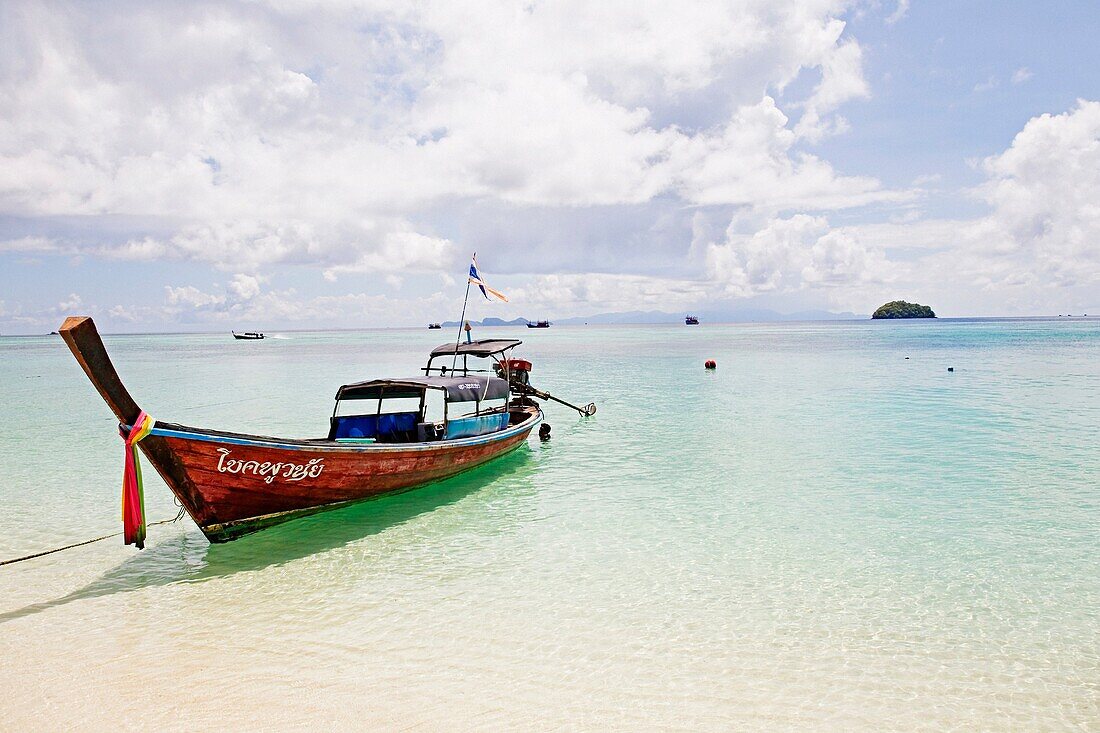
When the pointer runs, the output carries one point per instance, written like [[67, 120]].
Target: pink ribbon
[[133, 492]]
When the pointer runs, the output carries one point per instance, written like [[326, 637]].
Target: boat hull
[[233, 484]]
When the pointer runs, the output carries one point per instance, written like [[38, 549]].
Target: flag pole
[[461, 321]]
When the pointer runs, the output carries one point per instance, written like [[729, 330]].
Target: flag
[[475, 278]]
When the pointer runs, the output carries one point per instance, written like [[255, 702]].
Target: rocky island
[[902, 309]]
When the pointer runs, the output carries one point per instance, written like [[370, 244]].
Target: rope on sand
[[85, 542]]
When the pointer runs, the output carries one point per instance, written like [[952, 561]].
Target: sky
[[290, 164]]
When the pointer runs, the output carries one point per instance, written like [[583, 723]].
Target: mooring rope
[[85, 542]]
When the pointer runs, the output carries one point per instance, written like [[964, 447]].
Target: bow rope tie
[[133, 492]]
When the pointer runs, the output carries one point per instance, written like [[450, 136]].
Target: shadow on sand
[[188, 557]]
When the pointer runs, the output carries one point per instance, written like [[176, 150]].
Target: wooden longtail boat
[[233, 484]]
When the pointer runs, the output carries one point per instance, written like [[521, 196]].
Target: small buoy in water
[[544, 431], [950, 369], [710, 364]]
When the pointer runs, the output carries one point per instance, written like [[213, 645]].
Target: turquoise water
[[820, 534]]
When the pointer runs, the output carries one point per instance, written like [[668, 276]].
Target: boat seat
[[354, 426], [473, 425], [396, 427]]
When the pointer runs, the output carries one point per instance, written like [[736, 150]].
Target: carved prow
[[80, 334], [83, 339]]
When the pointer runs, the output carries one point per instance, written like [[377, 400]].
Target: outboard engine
[[519, 371], [518, 374]]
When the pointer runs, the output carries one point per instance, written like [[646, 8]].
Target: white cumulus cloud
[[790, 254], [267, 133], [1045, 194]]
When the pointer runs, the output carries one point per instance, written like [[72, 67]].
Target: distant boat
[[539, 324], [248, 336], [691, 321], [435, 326]]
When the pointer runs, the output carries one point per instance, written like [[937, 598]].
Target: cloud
[[120, 313], [841, 80], [1042, 230], [789, 254], [292, 133], [384, 245], [899, 12], [597, 157], [28, 245], [257, 305], [402, 251], [1043, 190], [911, 237], [927, 178], [572, 295], [69, 304], [749, 162], [49, 315], [244, 287], [1039, 243], [1021, 75], [192, 298], [756, 256], [987, 85]]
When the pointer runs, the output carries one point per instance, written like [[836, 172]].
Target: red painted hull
[[233, 484]]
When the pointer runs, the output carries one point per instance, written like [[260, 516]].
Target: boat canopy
[[471, 388], [482, 348]]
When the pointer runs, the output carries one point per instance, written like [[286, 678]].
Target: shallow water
[[820, 534]]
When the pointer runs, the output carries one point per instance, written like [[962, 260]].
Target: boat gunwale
[[174, 430]]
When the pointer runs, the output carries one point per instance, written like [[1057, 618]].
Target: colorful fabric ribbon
[[133, 493]]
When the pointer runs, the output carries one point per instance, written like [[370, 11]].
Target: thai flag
[[475, 278]]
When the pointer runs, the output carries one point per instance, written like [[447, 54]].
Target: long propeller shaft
[[588, 410]]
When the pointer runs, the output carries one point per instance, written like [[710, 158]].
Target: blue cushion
[[370, 426], [467, 427], [397, 422], [356, 426]]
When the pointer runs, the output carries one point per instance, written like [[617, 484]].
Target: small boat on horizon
[[435, 326], [538, 324], [384, 436], [691, 321], [248, 336]]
